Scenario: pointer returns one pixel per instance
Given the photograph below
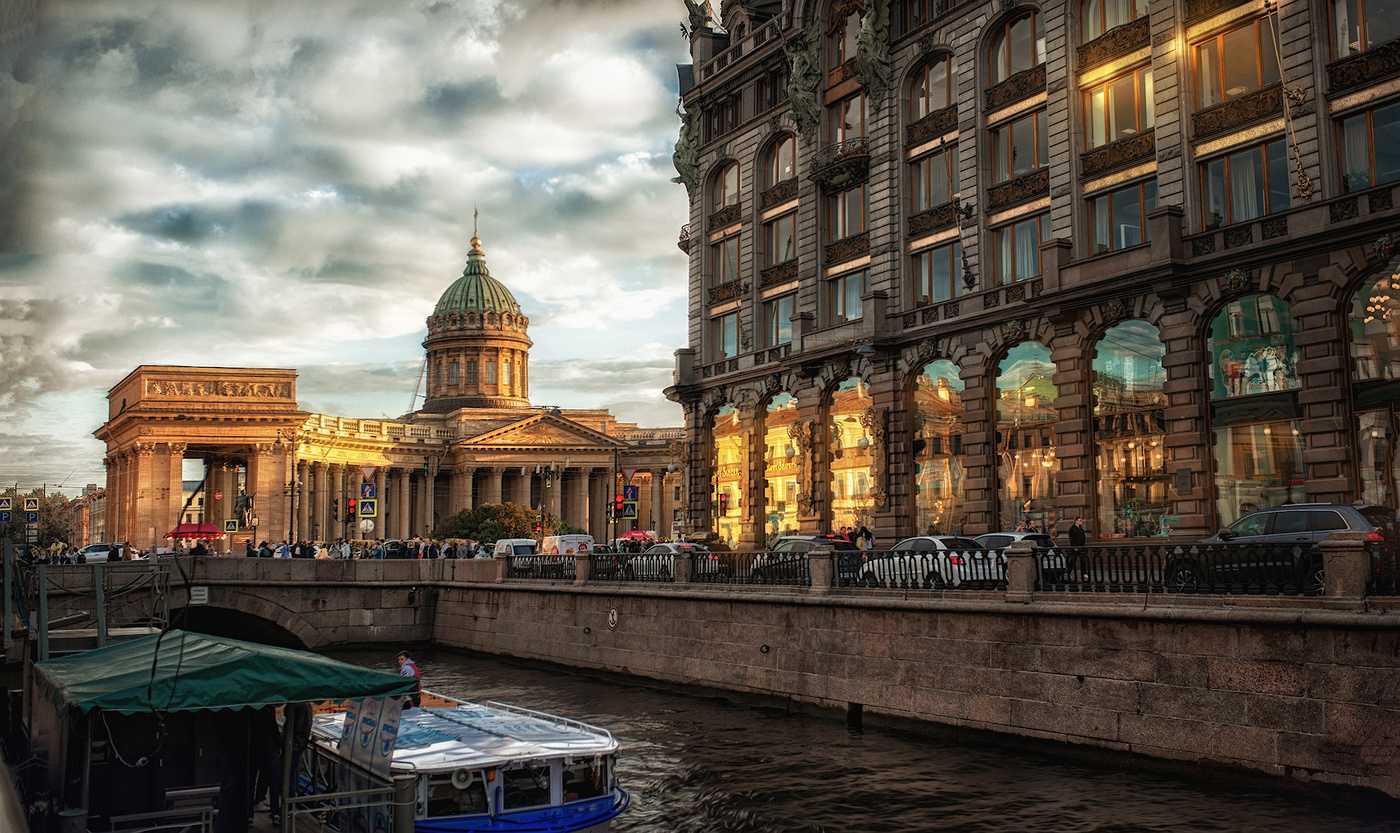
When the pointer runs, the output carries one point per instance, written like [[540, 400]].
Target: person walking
[[1077, 536], [864, 539], [409, 668]]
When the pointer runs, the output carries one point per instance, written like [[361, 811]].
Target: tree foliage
[[493, 521], [55, 516]]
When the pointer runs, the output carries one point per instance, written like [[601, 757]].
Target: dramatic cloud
[[292, 184]]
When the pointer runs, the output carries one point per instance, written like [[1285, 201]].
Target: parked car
[[785, 560], [96, 553], [659, 562], [1287, 554], [933, 562], [1052, 564]]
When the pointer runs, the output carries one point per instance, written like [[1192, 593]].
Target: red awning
[[195, 531], [635, 533]]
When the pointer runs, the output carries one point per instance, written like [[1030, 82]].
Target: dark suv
[[1284, 550]]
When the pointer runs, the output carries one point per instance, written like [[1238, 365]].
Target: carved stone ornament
[[928, 348], [187, 388], [727, 216], [1116, 309], [1236, 113], [144, 449], [803, 435], [1236, 280], [1021, 85], [1117, 41], [1197, 9], [873, 50], [686, 157], [1014, 330], [848, 249], [1382, 247], [935, 124], [938, 218], [841, 165], [872, 419], [728, 291], [804, 76], [785, 191], [1023, 188], [774, 275], [1365, 68], [1119, 154]]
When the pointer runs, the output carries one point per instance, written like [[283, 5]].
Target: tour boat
[[492, 767]]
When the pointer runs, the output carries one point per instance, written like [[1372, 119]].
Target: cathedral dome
[[476, 290]]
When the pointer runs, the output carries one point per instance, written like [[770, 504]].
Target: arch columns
[[1188, 440], [1327, 424], [320, 510], [658, 502], [337, 472], [1074, 429], [401, 503], [303, 486]]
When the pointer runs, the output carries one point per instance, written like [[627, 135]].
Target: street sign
[[627, 474], [367, 489], [4, 517], [31, 517], [367, 525], [369, 508], [31, 504], [368, 472], [629, 493], [199, 595], [218, 496], [629, 510], [4, 504], [231, 525]]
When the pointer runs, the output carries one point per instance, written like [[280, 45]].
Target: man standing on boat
[[408, 668]]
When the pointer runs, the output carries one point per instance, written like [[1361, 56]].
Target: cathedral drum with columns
[[275, 472]]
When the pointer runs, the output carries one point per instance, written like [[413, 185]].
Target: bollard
[[1346, 563], [1020, 571], [502, 568], [583, 568], [821, 564], [405, 801], [684, 565]]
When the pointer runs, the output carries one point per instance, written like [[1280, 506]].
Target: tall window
[[850, 453], [729, 441], [932, 89], [1018, 46], [1020, 146], [1359, 25], [777, 320], [505, 374], [1129, 433], [1245, 185], [1017, 248], [471, 372], [1026, 418], [489, 369], [846, 213], [1370, 147], [915, 13], [936, 274], [1252, 348], [843, 296], [780, 467], [931, 179], [724, 337], [725, 191], [1102, 15], [723, 117], [452, 378], [770, 91], [724, 260], [779, 239], [1237, 62], [939, 475], [841, 36], [1118, 220], [781, 163], [1375, 354], [1375, 328], [1120, 108], [848, 118]]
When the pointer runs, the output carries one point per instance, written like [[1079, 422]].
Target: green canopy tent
[[119, 727]]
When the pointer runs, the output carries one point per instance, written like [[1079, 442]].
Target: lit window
[[1360, 25], [931, 179], [1019, 147], [781, 163], [1118, 220], [1245, 185], [1237, 62], [1120, 108], [1103, 15], [777, 320], [1017, 248]]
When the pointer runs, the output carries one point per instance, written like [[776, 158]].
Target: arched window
[[727, 441], [1375, 354], [1026, 418], [849, 455], [842, 31], [938, 450], [780, 163], [779, 468], [1102, 15], [725, 190], [932, 89], [1018, 46], [1258, 451], [1129, 431]]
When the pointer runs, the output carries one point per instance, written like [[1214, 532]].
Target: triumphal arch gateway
[[275, 472]]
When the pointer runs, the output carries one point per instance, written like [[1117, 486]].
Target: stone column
[[175, 490], [109, 505], [321, 504], [1074, 428], [337, 483], [267, 490], [401, 504], [429, 486], [1188, 441], [144, 535], [1328, 425], [549, 497], [303, 529], [597, 504], [381, 483], [491, 486], [659, 521], [980, 462]]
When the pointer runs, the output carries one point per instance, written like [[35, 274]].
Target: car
[[96, 553], [1052, 564], [785, 560], [1288, 555], [934, 562], [659, 562]]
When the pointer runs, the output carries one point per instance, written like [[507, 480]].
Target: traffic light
[[617, 507], [539, 525], [723, 503], [335, 509], [351, 506]]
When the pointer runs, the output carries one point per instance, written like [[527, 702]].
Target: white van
[[567, 544], [516, 546]]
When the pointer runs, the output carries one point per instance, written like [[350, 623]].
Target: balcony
[[1115, 43], [1119, 154], [762, 36], [1022, 189], [1364, 69], [935, 124], [1239, 112], [1020, 86], [684, 242], [840, 165]]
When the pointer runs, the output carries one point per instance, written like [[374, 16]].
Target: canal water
[[698, 763]]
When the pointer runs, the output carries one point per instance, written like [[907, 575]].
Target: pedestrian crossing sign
[[629, 509], [31, 504], [231, 525], [369, 508], [4, 504]]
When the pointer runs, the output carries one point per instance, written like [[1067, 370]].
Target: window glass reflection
[[1129, 432], [728, 439], [1026, 419], [1256, 467], [1375, 328], [779, 468], [938, 450], [1252, 349], [849, 447]]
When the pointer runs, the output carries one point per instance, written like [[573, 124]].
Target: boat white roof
[[474, 735]]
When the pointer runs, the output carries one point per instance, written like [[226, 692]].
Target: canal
[[697, 763]]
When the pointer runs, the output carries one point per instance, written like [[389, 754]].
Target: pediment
[[544, 431]]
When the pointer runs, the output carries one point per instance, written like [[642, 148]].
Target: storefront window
[[1129, 428], [1375, 353], [1375, 328], [1377, 462], [1026, 419], [938, 450], [779, 468], [1256, 467], [727, 472], [1251, 347], [849, 445]]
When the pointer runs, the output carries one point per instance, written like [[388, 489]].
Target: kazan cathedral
[[275, 472]]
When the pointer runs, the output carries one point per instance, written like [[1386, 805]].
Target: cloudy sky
[[290, 183]]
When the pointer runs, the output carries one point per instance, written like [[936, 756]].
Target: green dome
[[476, 290]]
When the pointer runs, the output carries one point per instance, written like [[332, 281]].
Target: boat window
[[446, 800], [585, 779], [526, 786]]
